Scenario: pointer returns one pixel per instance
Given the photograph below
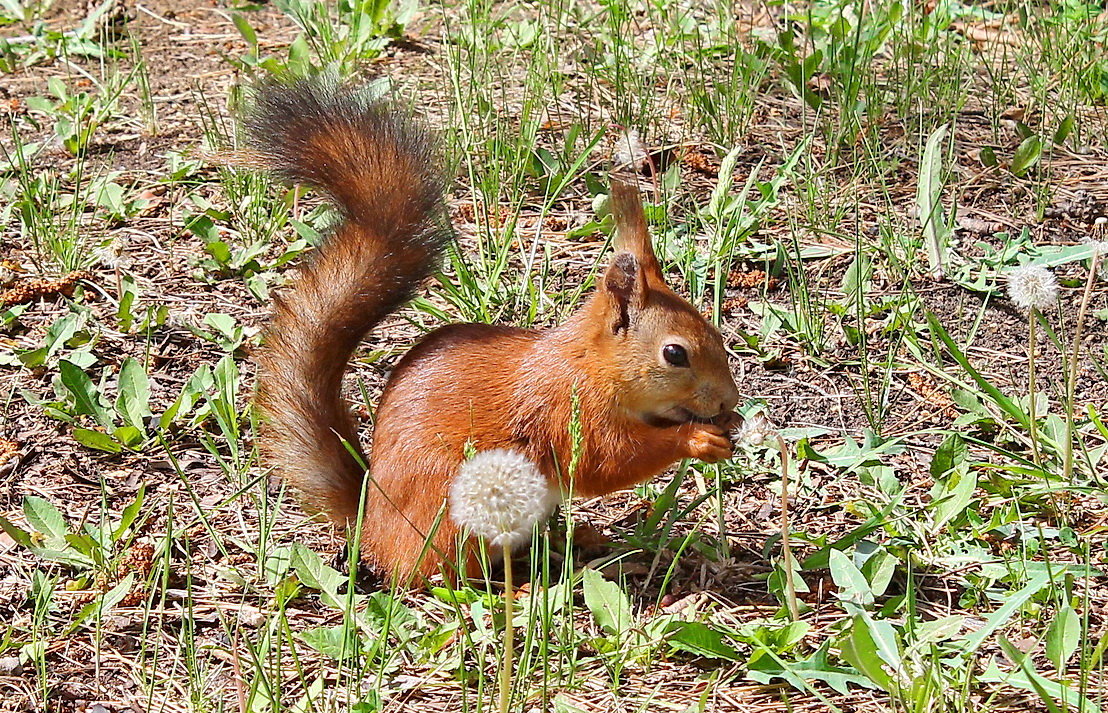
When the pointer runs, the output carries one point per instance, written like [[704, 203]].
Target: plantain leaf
[[133, 402], [609, 605], [929, 192], [85, 396], [1027, 155]]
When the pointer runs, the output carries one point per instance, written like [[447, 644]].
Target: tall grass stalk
[[1075, 359], [509, 633], [1032, 317]]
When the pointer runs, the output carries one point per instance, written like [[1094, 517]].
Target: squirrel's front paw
[[708, 442]]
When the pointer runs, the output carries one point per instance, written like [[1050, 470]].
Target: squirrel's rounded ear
[[625, 283]]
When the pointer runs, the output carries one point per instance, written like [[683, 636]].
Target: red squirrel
[[650, 374]]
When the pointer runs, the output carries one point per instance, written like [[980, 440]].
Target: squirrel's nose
[[730, 400]]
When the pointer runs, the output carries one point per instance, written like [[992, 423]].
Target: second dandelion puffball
[[1032, 287], [756, 431], [499, 495]]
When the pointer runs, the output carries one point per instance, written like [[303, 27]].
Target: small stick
[[786, 549]]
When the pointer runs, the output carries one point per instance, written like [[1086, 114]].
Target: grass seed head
[[500, 495], [1032, 287]]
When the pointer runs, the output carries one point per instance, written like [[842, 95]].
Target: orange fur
[[466, 384]]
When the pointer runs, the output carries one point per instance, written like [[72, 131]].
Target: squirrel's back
[[383, 171]]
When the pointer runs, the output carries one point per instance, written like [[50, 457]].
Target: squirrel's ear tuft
[[625, 283], [632, 234]]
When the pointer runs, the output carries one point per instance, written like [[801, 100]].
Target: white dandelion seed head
[[630, 152], [499, 495], [1100, 247], [1032, 287], [113, 253], [756, 430]]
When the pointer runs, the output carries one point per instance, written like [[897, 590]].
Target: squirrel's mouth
[[676, 416]]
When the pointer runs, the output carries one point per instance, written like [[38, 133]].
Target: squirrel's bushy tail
[[383, 171]]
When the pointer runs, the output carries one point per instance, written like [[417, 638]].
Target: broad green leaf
[[194, 389], [953, 495], [312, 572], [885, 635], [860, 650], [245, 29], [85, 543], [62, 330], [85, 396], [338, 642], [879, 571], [856, 277], [385, 610], [609, 605], [929, 192], [765, 665], [370, 703], [21, 536], [936, 630], [129, 436], [700, 639], [1063, 636], [849, 579], [1027, 155], [1065, 128], [949, 454], [455, 597], [68, 556], [223, 403], [43, 517], [1056, 255], [97, 439], [224, 324], [133, 402]]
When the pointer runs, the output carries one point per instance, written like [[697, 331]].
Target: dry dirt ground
[[184, 44]]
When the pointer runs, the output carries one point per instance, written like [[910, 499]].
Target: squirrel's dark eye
[[675, 354]]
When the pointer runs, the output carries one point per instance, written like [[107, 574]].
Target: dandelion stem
[[786, 549], [1075, 358], [1031, 385], [509, 633]]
